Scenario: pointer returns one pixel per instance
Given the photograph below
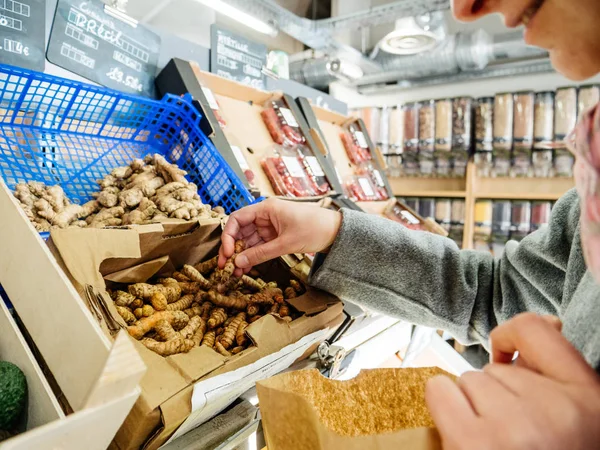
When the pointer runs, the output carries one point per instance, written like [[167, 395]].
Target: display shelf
[[429, 187], [521, 188]]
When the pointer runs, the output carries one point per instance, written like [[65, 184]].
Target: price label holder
[[101, 46], [22, 33]]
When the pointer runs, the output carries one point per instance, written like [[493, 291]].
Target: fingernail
[[242, 261]]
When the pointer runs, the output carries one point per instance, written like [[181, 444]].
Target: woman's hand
[[277, 227], [548, 399]]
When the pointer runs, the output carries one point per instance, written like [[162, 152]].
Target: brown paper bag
[[379, 409]]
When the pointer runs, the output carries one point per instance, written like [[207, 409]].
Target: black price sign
[[22, 33], [88, 41], [237, 58]]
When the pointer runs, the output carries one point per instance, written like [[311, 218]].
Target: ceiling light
[[413, 35], [240, 16]]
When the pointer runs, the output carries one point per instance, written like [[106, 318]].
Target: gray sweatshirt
[[425, 279]]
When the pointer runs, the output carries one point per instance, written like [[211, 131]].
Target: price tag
[[314, 165], [378, 178], [293, 166], [210, 97], [360, 138], [239, 156], [288, 117], [366, 187], [409, 217]]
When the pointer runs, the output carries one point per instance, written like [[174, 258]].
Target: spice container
[[589, 95], [443, 212], [412, 203], [500, 226], [457, 221], [484, 114], [426, 137], [483, 224], [565, 118], [443, 136], [522, 133], [543, 134], [383, 138], [540, 214], [396, 125], [461, 134], [372, 118], [427, 207], [410, 114], [521, 220], [503, 133]]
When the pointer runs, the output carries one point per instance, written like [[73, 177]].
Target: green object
[[13, 395]]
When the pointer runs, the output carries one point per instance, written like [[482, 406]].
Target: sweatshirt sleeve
[[425, 279]]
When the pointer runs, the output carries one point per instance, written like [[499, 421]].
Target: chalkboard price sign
[[236, 58], [22, 33], [87, 41]]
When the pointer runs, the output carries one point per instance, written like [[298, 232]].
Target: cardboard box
[[326, 128], [378, 409], [245, 140], [176, 386], [47, 426]]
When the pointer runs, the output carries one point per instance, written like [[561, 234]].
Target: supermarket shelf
[[522, 188], [429, 187]]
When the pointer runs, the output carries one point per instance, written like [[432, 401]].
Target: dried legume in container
[[427, 207], [540, 214], [521, 219], [589, 95]]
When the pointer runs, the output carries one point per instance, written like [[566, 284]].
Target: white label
[[212, 396], [409, 217], [293, 166], [360, 137], [288, 117], [239, 156], [378, 178], [212, 101], [366, 187], [314, 165]]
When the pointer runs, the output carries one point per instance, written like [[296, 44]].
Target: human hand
[[549, 400], [277, 227]]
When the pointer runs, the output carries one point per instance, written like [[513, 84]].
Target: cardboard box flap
[[313, 304], [140, 273], [317, 414], [93, 246], [197, 363]]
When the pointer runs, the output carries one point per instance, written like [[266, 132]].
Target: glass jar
[[412, 203], [589, 95], [521, 220], [501, 216], [443, 212], [540, 214], [426, 137], [443, 136], [427, 207], [410, 113], [461, 134], [503, 121], [484, 114], [383, 136], [543, 130], [483, 224], [565, 119], [457, 221], [396, 125], [523, 118]]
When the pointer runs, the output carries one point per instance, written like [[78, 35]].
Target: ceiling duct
[[323, 71]]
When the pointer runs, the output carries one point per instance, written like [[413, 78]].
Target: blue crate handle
[[60, 131]]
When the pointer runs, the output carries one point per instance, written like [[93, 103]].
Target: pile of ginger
[[202, 305], [146, 191]]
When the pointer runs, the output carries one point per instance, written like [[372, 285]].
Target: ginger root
[[146, 324], [126, 314], [158, 301], [172, 347], [217, 317], [165, 331], [122, 298]]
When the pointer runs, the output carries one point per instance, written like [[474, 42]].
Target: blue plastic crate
[[60, 131]]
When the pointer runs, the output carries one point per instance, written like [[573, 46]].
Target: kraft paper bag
[[379, 409]]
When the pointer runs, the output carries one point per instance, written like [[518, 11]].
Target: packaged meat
[[362, 189], [214, 105], [355, 144], [282, 124], [286, 174], [312, 167]]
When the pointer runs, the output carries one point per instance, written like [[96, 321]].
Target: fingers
[[518, 380], [259, 254], [485, 393], [542, 346], [449, 408]]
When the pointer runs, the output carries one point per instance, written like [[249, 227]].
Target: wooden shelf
[[429, 187], [522, 188]]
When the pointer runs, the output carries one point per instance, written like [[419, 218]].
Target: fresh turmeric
[[126, 314], [236, 350], [137, 303], [207, 266], [147, 310], [189, 287], [194, 275], [184, 303], [251, 283], [290, 293], [194, 310], [267, 296], [296, 286], [165, 331], [158, 301], [172, 347], [224, 301], [199, 333], [207, 308], [190, 329], [252, 310], [221, 349], [209, 338], [240, 334], [229, 335], [180, 277], [122, 298], [217, 317], [284, 310], [146, 324], [274, 308], [138, 313]]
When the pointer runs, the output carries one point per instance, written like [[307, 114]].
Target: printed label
[[360, 138], [239, 156], [409, 217], [212, 101], [378, 178], [314, 165], [293, 166], [288, 117], [366, 187]]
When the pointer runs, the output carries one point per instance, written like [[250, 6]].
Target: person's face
[[568, 29]]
